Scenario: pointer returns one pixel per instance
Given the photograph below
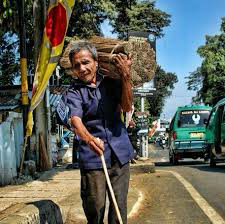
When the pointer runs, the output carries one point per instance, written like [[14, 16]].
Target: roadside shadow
[[191, 162], [220, 168], [44, 175], [181, 163], [49, 212], [49, 174], [167, 163]]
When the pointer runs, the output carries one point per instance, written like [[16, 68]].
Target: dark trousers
[[93, 193]]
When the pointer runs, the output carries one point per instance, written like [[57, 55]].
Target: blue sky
[[176, 52]]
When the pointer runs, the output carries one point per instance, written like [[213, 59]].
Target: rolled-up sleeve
[[75, 103]]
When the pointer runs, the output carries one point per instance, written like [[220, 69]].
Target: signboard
[[143, 132], [137, 39], [195, 112], [142, 34], [140, 114], [142, 122], [144, 92]]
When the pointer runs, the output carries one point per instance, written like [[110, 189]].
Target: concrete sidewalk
[[53, 197]]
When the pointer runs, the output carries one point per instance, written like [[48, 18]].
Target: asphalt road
[[190, 193], [208, 182]]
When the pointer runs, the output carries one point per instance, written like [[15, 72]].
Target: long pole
[[41, 122], [23, 64], [23, 59], [110, 189]]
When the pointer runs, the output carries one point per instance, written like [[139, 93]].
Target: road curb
[[146, 167]]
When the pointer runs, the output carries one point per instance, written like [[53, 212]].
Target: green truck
[[215, 133], [187, 133]]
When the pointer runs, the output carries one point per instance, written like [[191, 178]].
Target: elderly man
[[95, 104]]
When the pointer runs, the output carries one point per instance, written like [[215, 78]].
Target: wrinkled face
[[84, 66]]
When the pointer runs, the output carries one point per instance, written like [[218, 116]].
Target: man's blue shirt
[[98, 107]]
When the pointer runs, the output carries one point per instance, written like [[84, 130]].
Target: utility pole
[[42, 114], [144, 137], [23, 65]]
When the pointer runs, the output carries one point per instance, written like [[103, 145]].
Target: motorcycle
[[162, 143]]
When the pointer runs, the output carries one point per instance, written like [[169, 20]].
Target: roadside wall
[[11, 142]]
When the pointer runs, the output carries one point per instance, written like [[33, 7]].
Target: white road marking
[[214, 217], [137, 205]]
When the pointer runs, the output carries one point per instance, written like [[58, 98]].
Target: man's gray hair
[[77, 46]]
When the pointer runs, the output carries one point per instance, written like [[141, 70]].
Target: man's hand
[[97, 145], [123, 63]]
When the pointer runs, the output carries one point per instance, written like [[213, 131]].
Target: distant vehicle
[[186, 133], [162, 142], [215, 133]]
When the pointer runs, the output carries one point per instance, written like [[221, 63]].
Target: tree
[[209, 79], [9, 21], [164, 84], [9, 61], [139, 16], [86, 20], [8, 17], [87, 17]]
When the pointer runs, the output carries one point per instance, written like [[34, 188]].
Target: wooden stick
[[110, 189], [44, 165], [23, 155]]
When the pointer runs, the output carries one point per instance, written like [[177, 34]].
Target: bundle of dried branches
[[143, 58]]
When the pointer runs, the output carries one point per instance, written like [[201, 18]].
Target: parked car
[[215, 133], [186, 133]]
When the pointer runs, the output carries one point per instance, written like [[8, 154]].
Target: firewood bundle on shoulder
[[143, 58]]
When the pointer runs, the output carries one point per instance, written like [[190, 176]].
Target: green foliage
[[85, 21], [137, 104], [195, 80], [9, 62], [10, 27], [151, 119], [139, 16], [164, 84], [209, 78], [88, 16], [8, 16]]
